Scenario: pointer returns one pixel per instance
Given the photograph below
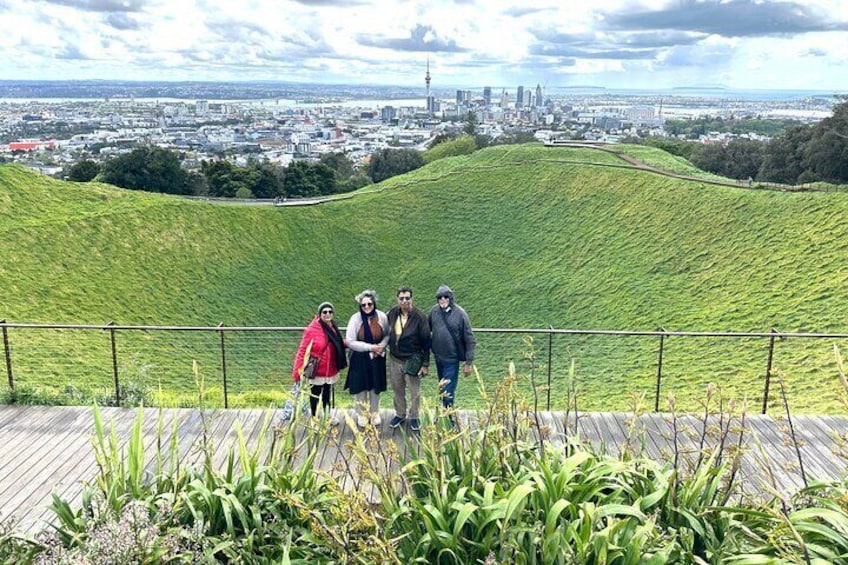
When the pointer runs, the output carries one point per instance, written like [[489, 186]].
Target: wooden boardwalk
[[48, 449]]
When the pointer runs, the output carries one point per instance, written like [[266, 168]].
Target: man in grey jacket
[[452, 342]]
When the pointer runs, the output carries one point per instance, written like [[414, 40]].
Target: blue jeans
[[449, 371]]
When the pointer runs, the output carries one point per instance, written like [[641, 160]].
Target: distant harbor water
[[766, 95]]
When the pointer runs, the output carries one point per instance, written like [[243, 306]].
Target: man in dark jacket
[[452, 342], [409, 343]]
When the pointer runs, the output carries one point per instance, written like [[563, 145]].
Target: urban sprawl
[[50, 134]]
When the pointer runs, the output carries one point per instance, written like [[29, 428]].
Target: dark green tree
[[744, 159], [826, 154], [339, 163], [146, 168], [224, 179], [306, 179], [738, 159], [783, 156], [388, 163], [265, 181], [469, 126], [83, 171], [195, 183]]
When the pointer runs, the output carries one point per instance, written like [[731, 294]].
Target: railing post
[[8, 357], [223, 364], [768, 371], [659, 371], [115, 364], [550, 356]]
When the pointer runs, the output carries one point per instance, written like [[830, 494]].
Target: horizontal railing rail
[[661, 336]]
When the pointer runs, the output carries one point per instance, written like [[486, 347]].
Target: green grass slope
[[527, 236]]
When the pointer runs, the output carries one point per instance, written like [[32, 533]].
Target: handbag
[[412, 366], [308, 370]]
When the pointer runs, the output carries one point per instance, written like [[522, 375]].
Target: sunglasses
[[442, 296], [404, 298], [326, 311], [367, 304]]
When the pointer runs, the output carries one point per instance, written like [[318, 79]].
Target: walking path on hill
[[630, 163], [637, 164], [48, 449]]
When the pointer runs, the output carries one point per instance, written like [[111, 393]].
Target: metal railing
[[278, 349]]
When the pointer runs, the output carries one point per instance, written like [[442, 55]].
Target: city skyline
[[740, 44]]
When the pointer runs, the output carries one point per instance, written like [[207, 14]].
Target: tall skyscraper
[[460, 97], [427, 82], [519, 97], [539, 101], [487, 95]]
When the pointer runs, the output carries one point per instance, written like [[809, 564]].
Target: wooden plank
[[9, 414], [613, 431], [835, 429], [783, 465], [819, 447], [656, 432], [69, 478], [590, 433], [24, 433], [47, 447], [35, 477]]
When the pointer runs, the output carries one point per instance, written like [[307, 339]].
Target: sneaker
[[376, 420], [362, 420], [414, 424], [396, 421], [334, 420]]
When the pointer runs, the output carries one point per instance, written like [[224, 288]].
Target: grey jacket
[[449, 329]]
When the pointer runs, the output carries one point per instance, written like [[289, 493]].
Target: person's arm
[[298, 357], [469, 340], [384, 323], [424, 336]]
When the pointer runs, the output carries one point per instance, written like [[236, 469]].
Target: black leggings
[[321, 392]]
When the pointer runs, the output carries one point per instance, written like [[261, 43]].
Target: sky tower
[[427, 82]]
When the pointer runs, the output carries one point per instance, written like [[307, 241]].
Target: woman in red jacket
[[328, 347]]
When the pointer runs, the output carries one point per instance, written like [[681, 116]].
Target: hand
[[467, 370], [423, 371], [377, 349]]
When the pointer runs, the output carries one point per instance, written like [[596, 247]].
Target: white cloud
[[647, 43]]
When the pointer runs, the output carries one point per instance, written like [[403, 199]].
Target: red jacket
[[328, 364]]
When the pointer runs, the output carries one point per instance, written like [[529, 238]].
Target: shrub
[[496, 492]]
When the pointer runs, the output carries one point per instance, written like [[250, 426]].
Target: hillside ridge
[[527, 236]]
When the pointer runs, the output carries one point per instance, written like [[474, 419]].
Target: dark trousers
[[322, 393]]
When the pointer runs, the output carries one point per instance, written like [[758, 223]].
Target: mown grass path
[[630, 162], [47, 449]]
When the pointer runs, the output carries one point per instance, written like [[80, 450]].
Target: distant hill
[[527, 236]]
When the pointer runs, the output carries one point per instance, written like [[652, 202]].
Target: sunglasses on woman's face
[[367, 304], [326, 311]]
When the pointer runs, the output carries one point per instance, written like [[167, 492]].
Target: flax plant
[[489, 494]]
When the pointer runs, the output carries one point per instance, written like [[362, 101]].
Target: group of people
[[398, 342]]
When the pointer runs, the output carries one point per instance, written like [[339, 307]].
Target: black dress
[[367, 371]]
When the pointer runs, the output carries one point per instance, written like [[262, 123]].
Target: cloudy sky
[[614, 43]]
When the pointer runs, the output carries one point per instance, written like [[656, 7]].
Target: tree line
[[802, 154], [156, 169]]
